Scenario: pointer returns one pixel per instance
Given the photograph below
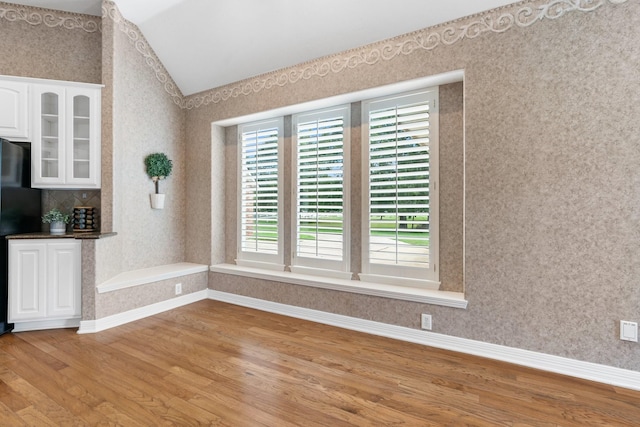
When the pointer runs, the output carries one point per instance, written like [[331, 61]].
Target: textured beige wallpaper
[[551, 205], [142, 120], [107, 184], [451, 151], [88, 280], [231, 183], [145, 121], [205, 195], [69, 49]]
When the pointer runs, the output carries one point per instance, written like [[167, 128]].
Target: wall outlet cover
[[628, 331], [425, 322]]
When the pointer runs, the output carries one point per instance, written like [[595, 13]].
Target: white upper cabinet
[[66, 137], [14, 110], [62, 121]]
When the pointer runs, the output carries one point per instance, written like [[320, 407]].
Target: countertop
[[47, 235]]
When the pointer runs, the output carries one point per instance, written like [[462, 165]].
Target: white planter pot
[[157, 201], [57, 227]]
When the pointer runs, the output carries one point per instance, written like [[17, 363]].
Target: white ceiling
[[209, 43]]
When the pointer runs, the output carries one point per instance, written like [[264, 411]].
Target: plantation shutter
[[320, 188], [401, 230], [259, 195]]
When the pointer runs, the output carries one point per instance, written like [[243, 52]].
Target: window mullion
[[396, 188], [317, 213]]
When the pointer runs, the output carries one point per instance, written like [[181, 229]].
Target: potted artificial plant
[[158, 167], [58, 221]]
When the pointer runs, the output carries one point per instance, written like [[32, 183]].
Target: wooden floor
[[211, 363]]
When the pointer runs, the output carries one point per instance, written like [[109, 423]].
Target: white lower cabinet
[[44, 284]]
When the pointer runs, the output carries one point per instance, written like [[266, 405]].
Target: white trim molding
[[143, 276], [556, 364], [92, 326], [404, 293], [560, 365]]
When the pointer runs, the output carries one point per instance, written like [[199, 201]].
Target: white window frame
[[427, 278], [258, 259], [309, 265]]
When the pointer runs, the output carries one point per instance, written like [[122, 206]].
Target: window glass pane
[[399, 185], [259, 191], [320, 187]]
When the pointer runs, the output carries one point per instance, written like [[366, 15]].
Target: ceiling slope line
[[498, 20], [111, 11]]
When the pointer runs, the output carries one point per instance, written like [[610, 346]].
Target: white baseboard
[[92, 326], [560, 365], [546, 362]]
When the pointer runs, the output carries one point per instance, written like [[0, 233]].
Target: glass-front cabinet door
[[83, 138], [49, 135], [66, 140]]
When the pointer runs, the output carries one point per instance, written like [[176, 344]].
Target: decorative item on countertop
[[57, 221], [85, 218], [158, 167]]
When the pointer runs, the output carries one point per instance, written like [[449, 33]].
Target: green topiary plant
[[158, 167], [54, 215]]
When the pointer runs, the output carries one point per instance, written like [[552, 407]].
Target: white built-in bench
[[143, 276]]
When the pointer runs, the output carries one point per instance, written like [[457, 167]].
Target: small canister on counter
[[85, 218]]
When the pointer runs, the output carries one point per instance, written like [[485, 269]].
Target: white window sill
[[426, 296]]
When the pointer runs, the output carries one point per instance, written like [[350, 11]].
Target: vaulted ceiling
[[205, 44]]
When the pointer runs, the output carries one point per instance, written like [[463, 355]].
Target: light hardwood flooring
[[211, 363]]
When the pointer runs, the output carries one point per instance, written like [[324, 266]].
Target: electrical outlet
[[178, 288], [426, 321], [628, 331]]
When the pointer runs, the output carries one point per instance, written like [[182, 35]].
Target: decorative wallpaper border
[[522, 14], [499, 20], [50, 18]]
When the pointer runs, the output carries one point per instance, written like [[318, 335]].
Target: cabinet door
[[63, 278], [48, 159], [14, 110], [27, 275], [83, 138]]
